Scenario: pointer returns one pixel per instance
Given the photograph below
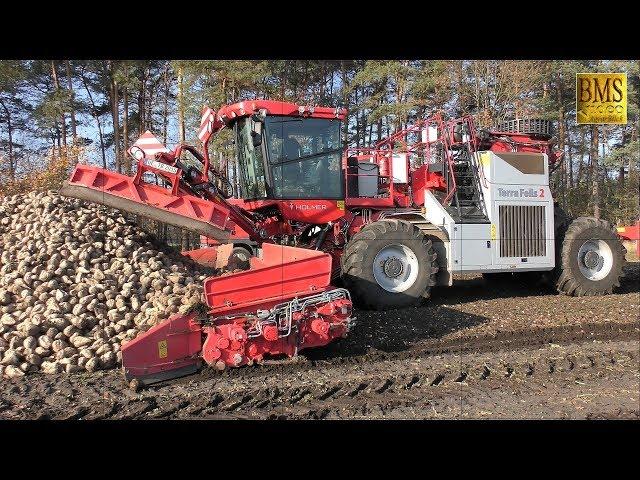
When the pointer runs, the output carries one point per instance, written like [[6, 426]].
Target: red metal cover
[[282, 273], [274, 107], [153, 201], [168, 350]]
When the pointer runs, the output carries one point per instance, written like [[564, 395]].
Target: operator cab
[[289, 157]]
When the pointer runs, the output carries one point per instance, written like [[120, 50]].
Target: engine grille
[[522, 231], [535, 126]]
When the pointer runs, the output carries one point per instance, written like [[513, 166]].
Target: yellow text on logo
[[340, 204], [162, 349], [601, 98]]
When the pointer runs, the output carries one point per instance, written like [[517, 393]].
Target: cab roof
[[229, 113]]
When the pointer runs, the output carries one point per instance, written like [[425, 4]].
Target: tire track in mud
[[429, 386], [414, 383], [392, 386], [512, 340]]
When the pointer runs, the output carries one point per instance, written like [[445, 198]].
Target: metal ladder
[[467, 203]]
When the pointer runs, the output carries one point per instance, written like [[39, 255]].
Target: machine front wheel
[[389, 264], [590, 260]]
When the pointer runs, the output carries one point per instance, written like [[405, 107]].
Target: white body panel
[[475, 245], [400, 167], [518, 180], [439, 217], [519, 184], [429, 134]]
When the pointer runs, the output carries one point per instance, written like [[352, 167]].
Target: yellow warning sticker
[[485, 159], [493, 231], [162, 349], [340, 204]]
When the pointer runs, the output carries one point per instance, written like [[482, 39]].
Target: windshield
[[251, 167], [305, 155]]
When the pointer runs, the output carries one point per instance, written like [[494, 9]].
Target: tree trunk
[[583, 138], [569, 159], [345, 103], [12, 168], [74, 134], [181, 128], [58, 136], [562, 145], [462, 107], [323, 82], [181, 134], [94, 114], [141, 97], [331, 82], [355, 101], [125, 122], [165, 110], [115, 114], [54, 75], [148, 115], [102, 148], [595, 180]]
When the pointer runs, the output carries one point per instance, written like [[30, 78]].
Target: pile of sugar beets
[[77, 280]]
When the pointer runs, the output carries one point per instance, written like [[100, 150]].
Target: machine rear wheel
[[590, 259], [389, 264]]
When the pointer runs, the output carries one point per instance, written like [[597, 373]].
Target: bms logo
[[601, 98]]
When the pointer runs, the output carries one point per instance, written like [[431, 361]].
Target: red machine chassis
[[284, 303]]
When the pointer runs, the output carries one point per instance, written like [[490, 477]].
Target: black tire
[[568, 277], [360, 252], [561, 221], [239, 258]]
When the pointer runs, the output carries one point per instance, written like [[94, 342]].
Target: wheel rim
[[395, 268], [243, 257], [595, 259], [240, 259]]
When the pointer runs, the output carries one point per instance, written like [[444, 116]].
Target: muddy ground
[[472, 351]]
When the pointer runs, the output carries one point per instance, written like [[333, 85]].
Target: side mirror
[[259, 116], [256, 133], [256, 138]]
